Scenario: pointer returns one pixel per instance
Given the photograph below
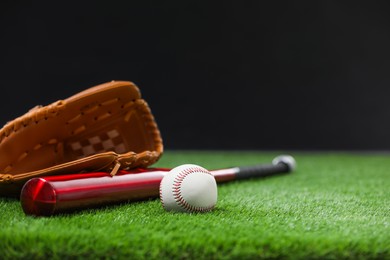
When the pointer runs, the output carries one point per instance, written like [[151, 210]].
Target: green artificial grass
[[335, 206]]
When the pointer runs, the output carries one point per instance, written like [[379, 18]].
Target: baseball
[[188, 188]]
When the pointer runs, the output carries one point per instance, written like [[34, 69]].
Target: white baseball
[[188, 188]]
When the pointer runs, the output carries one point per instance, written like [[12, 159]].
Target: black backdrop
[[217, 75]]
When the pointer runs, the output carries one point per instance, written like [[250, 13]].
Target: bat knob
[[287, 160]]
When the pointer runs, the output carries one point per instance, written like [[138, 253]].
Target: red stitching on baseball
[[177, 190]]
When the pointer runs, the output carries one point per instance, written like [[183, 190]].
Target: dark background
[[262, 75]]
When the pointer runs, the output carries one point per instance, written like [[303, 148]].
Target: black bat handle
[[281, 164]]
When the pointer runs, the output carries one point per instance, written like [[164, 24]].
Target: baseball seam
[[177, 190]]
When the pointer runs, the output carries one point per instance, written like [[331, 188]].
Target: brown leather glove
[[105, 128]]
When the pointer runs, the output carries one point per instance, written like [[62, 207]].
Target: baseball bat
[[52, 195]]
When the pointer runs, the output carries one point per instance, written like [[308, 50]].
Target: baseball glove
[[105, 128]]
